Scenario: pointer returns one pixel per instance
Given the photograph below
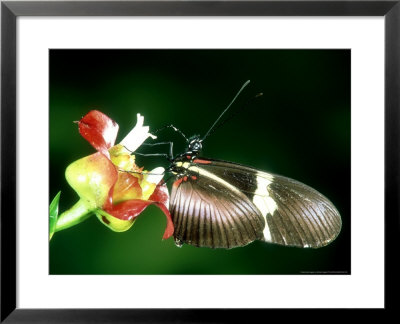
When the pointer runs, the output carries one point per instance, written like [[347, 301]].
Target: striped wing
[[212, 214], [295, 214]]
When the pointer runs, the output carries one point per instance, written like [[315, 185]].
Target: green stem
[[75, 215]]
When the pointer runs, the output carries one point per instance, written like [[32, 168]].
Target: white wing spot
[[264, 203]]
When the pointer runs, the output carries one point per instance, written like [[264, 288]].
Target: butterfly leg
[[174, 128], [171, 144], [154, 154]]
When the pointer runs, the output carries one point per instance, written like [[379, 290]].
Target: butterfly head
[[195, 145]]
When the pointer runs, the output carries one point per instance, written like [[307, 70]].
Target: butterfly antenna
[[226, 109], [228, 118]]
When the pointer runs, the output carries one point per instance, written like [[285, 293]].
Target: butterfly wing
[[294, 213], [210, 213]]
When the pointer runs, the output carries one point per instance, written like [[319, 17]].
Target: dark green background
[[300, 128]]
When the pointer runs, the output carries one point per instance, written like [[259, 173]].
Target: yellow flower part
[[92, 178], [122, 158], [113, 223], [147, 188]]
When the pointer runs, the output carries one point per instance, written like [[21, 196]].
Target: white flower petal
[[137, 135], [155, 175]]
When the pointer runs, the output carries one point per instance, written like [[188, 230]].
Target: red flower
[[109, 183]]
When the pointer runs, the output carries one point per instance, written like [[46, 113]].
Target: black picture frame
[[10, 10]]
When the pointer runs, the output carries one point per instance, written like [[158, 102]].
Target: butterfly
[[221, 204]]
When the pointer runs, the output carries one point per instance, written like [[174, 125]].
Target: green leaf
[[54, 214]]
